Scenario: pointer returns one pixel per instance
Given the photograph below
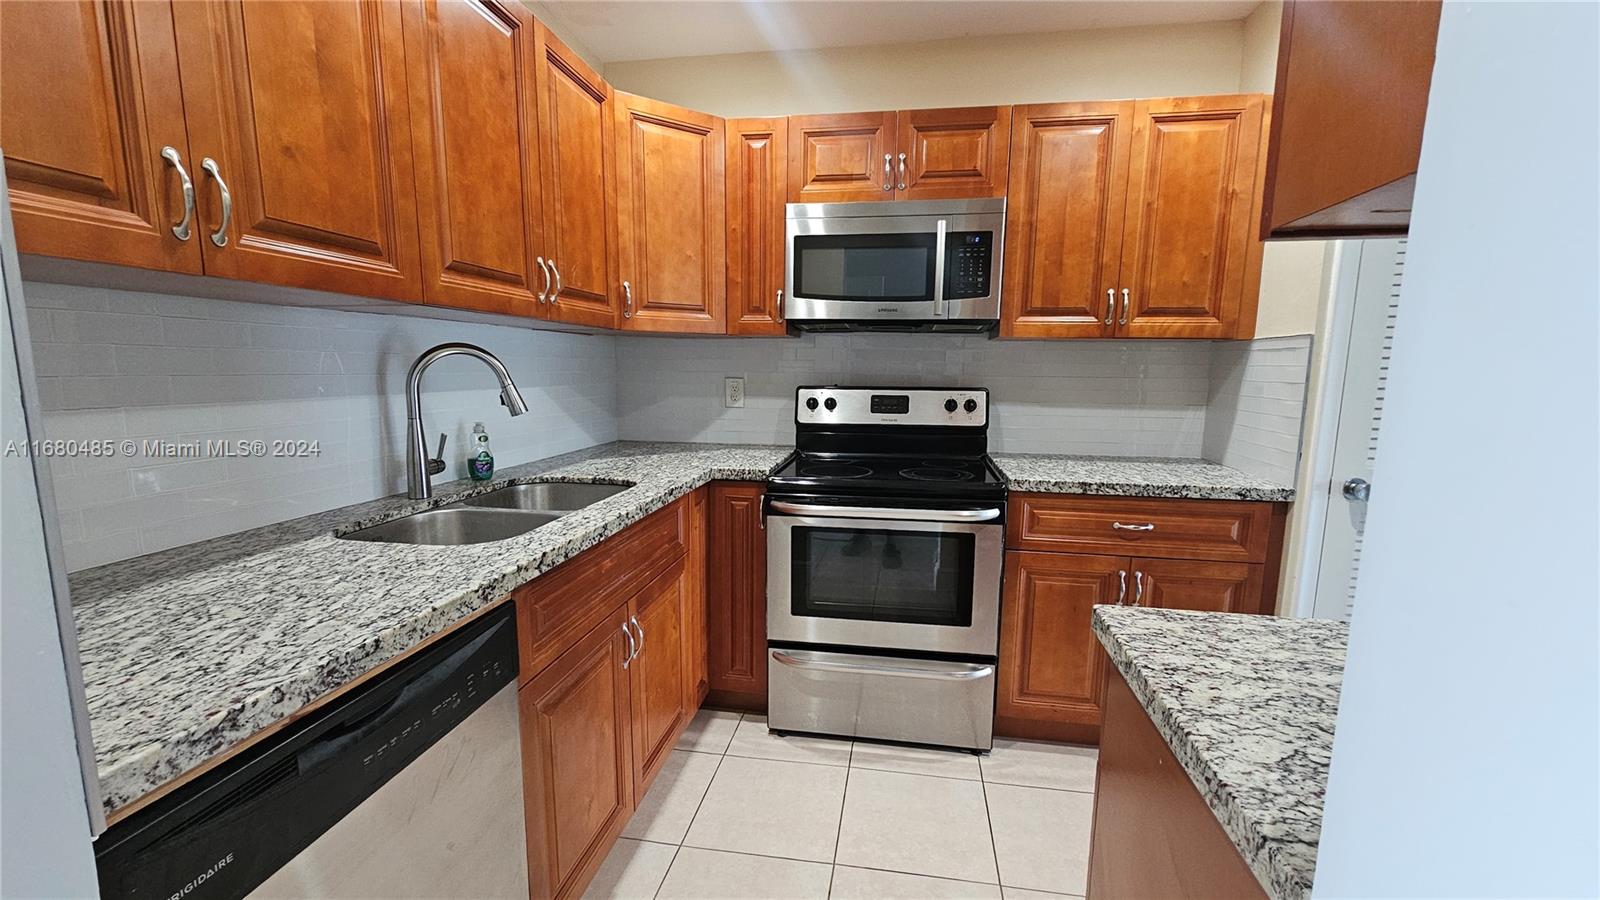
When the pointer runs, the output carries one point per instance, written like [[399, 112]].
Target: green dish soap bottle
[[480, 464]]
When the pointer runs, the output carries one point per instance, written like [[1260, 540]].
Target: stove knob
[[830, 403], [811, 403], [950, 405], [970, 406]]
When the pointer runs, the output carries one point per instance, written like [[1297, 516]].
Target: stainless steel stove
[[884, 552]]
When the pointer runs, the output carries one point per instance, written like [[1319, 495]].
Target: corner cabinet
[[670, 217], [1158, 240], [757, 175]]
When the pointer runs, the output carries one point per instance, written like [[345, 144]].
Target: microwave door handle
[[873, 512], [939, 311]]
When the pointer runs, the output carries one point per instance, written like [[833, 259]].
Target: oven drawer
[[1222, 530], [920, 701]]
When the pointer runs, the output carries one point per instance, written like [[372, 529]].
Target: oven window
[[922, 578], [864, 266]]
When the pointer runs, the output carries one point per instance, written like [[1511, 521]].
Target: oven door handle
[[947, 672], [872, 512]]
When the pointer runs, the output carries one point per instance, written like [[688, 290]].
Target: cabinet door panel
[[1051, 668], [1064, 219], [87, 103], [1189, 247], [695, 585], [757, 177], [670, 218], [736, 596], [577, 760], [575, 103], [843, 157], [953, 152], [1206, 586], [474, 115], [658, 674], [303, 106]]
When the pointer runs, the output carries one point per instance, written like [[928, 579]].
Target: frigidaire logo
[[201, 879]]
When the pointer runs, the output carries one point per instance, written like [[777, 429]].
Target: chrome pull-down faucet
[[419, 468]]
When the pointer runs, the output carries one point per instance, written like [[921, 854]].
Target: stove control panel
[[892, 406]]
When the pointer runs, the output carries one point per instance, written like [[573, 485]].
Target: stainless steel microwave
[[902, 265]]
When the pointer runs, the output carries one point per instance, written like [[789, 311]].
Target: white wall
[[121, 364], [1256, 403], [1465, 758]]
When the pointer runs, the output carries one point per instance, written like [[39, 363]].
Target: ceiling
[[617, 30]]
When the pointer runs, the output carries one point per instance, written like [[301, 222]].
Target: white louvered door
[[1366, 375]]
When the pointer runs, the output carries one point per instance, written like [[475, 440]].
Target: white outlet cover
[[733, 391]]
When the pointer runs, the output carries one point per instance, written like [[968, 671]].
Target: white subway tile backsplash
[[1257, 401], [151, 367]]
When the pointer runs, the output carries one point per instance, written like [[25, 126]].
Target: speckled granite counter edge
[[1280, 879]]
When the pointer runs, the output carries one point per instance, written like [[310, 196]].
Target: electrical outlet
[[733, 391]]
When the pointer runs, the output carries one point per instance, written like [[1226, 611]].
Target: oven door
[[923, 580]]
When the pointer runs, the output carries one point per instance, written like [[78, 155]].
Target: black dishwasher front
[[229, 830]]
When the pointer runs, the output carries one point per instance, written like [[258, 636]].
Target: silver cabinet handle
[[902, 171], [874, 512], [1357, 489], [181, 230], [544, 293], [627, 300], [556, 294], [1124, 306], [778, 315], [888, 180], [1147, 526], [1111, 306], [1122, 586], [945, 672], [633, 649], [639, 628], [220, 236], [1138, 587]]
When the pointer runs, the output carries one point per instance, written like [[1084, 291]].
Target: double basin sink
[[499, 514]]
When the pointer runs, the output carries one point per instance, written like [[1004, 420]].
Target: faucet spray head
[[512, 400]]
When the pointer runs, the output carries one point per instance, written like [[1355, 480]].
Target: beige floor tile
[[1037, 764], [916, 760], [754, 740], [1041, 837], [917, 824], [771, 807], [709, 731], [670, 804], [632, 871], [713, 875], [1011, 893], [850, 883]]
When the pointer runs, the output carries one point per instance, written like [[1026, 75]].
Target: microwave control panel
[[969, 258]]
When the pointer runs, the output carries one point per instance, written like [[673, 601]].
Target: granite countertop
[[1247, 704], [191, 650], [1136, 476]]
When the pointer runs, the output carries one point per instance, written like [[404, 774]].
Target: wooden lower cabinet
[[736, 597], [658, 673], [577, 760], [1208, 586], [1154, 835]]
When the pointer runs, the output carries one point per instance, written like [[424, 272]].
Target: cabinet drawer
[[1224, 530], [560, 606]]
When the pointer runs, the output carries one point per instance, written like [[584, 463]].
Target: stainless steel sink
[[546, 496], [454, 525]]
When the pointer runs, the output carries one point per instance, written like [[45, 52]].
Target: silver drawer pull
[[1122, 586], [220, 236], [888, 178], [181, 230], [1111, 306], [1147, 526], [633, 648], [962, 673], [544, 294], [1138, 588]]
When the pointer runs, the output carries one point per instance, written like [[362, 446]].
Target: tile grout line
[[994, 850], [838, 831], [679, 847]]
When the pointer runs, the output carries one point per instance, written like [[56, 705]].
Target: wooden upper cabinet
[[1051, 667], [1064, 218], [576, 155], [474, 118], [757, 177], [671, 234], [88, 104], [1347, 114], [1205, 586], [843, 157], [946, 153], [302, 106], [1190, 258]]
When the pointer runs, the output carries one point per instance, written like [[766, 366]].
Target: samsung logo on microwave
[[887, 309]]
